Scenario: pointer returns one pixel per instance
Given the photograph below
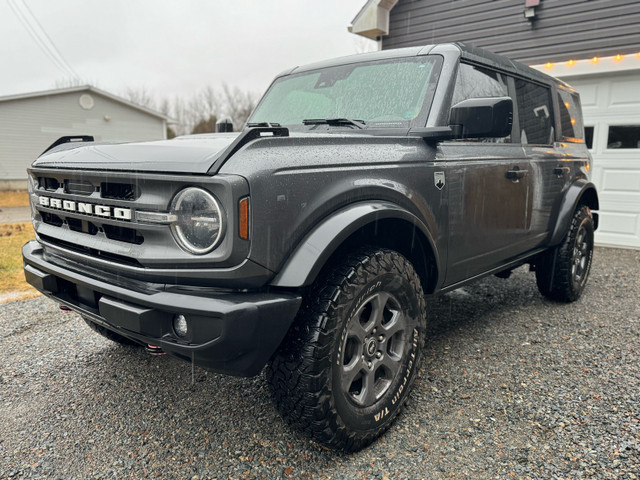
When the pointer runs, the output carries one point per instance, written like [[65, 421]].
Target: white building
[[30, 122]]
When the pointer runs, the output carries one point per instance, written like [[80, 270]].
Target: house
[[593, 45], [30, 122]]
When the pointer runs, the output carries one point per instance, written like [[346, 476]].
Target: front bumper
[[233, 333]]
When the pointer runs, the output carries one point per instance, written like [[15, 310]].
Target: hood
[[189, 154]]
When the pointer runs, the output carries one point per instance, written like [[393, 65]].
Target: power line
[[41, 38]]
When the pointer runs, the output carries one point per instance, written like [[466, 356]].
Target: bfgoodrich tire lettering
[[562, 273], [348, 364]]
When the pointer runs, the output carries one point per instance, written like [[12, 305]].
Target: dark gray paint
[[562, 30]]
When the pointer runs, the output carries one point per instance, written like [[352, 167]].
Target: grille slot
[[51, 219], [122, 234], [49, 183], [91, 251], [118, 191], [83, 226], [79, 187]]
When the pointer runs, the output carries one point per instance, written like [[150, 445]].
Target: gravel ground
[[513, 386]]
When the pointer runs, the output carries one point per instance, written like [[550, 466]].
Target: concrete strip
[[15, 214]]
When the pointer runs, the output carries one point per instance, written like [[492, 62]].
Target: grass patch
[[12, 237], [14, 199]]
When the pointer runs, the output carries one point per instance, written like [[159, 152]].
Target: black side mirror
[[482, 117], [224, 125]]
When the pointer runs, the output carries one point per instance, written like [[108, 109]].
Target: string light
[[595, 59], [571, 63], [549, 65]]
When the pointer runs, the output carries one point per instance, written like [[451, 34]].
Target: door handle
[[561, 171], [515, 174]]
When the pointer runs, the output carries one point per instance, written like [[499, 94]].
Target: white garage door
[[611, 106]]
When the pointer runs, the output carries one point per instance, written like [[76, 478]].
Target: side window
[[476, 82], [535, 113], [570, 117]]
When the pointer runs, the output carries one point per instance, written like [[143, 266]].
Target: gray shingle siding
[[563, 29], [29, 125]]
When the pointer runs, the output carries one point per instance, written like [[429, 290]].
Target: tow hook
[[154, 350], [64, 308]]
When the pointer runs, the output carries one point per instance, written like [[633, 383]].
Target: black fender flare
[[578, 190], [306, 261]]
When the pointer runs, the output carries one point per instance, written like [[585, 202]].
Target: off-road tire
[[340, 330], [108, 334], [562, 272]]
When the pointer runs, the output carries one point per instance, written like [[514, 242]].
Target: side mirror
[[224, 125], [482, 117]]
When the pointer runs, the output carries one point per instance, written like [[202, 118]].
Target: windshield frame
[[418, 121]]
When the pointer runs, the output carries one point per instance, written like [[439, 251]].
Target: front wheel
[[346, 367], [562, 272]]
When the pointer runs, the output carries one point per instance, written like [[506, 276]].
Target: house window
[[623, 136], [588, 137]]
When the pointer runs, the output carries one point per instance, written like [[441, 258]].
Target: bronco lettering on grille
[[86, 208]]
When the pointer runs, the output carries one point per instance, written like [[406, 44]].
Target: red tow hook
[[154, 350], [64, 308]]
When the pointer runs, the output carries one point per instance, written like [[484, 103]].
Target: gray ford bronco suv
[[308, 241]]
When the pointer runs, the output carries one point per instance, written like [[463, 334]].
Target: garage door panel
[[625, 94], [621, 181]]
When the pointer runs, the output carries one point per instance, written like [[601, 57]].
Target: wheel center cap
[[371, 347]]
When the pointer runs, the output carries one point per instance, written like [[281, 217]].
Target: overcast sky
[[170, 47]]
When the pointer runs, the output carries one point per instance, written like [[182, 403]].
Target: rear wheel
[[106, 333], [346, 367], [562, 272]]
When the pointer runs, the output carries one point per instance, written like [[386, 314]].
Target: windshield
[[386, 93]]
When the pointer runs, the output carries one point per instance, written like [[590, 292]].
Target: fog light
[[180, 326]]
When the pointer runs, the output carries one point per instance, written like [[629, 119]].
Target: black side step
[[63, 140]]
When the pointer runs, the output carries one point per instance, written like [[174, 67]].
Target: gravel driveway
[[514, 386]]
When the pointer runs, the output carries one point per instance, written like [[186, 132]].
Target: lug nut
[[369, 364], [375, 330], [378, 354], [381, 338]]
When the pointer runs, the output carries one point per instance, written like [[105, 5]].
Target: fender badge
[[438, 180]]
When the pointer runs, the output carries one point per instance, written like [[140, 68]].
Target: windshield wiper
[[263, 124], [334, 122]]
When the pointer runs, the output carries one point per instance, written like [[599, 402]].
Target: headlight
[[199, 224]]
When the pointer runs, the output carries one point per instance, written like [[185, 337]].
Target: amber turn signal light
[[243, 231]]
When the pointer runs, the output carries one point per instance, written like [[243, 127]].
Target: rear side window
[[571, 126], [534, 113]]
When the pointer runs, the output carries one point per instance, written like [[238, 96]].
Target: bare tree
[[140, 96], [238, 104], [69, 82]]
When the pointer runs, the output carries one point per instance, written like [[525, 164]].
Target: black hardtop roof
[[468, 52]]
